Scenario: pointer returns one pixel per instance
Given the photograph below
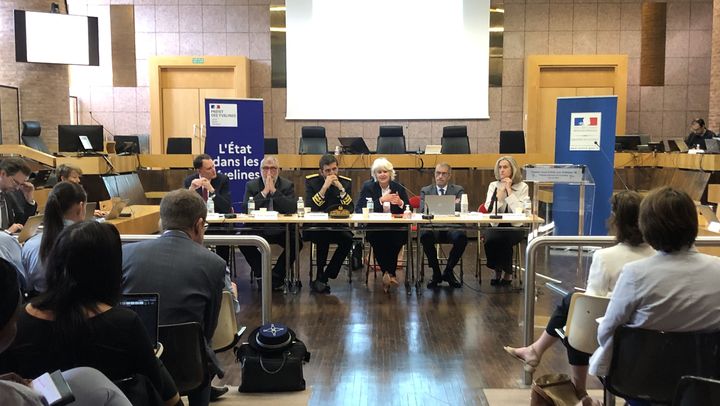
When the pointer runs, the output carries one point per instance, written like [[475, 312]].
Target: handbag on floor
[[553, 390], [272, 360]]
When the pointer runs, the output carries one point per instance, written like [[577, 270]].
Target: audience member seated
[[604, 271], [16, 194], [89, 386], [676, 289], [429, 238], [74, 323], [11, 251], [698, 134], [272, 192], [65, 206], [69, 173], [387, 196], [508, 193], [325, 191], [188, 277]]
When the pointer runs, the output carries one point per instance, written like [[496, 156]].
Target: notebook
[[30, 228], [147, 307], [440, 205]]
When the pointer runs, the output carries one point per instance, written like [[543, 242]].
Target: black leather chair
[[313, 140], [693, 391], [648, 364], [184, 355], [179, 145], [455, 140], [31, 136], [512, 142], [391, 140], [271, 146]]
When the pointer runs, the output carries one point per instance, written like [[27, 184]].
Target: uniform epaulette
[[312, 176], [344, 177]]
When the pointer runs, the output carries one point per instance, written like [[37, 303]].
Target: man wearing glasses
[[429, 238], [272, 192], [16, 194]]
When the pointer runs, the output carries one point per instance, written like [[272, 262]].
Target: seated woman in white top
[[604, 270], [677, 289]]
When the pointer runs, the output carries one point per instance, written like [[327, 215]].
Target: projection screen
[[387, 59]]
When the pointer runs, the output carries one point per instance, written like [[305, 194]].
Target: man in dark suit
[[16, 194], [210, 184], [429, 238], [698, 134], [188, 277], [272, 192], [326, 191]]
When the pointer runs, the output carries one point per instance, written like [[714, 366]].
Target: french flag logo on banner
[[586, 121]]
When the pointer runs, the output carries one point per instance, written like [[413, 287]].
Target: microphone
[[103, 126], [493, 202], [615, 171], [406, 189]]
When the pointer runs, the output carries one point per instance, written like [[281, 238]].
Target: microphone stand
[[494, 203]]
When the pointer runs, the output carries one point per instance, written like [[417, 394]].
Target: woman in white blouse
[[604, 271]]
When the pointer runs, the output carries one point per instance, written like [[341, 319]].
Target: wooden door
[[181, 116], [210, 94]]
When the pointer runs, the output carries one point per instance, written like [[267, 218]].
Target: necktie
[[204, 194], [4, 218], [442, 192]]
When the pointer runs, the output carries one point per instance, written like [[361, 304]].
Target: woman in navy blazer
[[388, 196]]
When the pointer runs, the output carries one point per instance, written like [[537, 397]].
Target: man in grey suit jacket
[[429, 238], [188, 277]]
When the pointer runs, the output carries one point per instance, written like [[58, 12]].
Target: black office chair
[[455, 140], [512, 142], [31, 136], [184, 355], [693, 391], [313, 140], [391, 140], [271, 146], [648, 364], [179, 145]]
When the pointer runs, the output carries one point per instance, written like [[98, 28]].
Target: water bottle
[[337, 150], [251, 205], [300, 207], [463, 204], [210, 205], [370, 205], [527, 204]]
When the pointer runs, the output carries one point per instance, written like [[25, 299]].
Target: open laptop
[[90, 211], [147, 307], [354, 145], [712, 146], [440, 205], [677, 145], [30, 228], [117, 207], [707, 212]]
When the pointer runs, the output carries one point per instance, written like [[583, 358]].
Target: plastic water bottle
[[210, 205], [370, 205], [300, 207], [463, 204], [527, 204], [251, 205]]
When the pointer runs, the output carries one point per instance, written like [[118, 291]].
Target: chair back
[[391, 140], [184, 355], [31, 136], [224, 336], [693, 391], [581, 328], [271, 146], [512, 142], [455, 140], [648, 364], [179, 145], [313, 140]]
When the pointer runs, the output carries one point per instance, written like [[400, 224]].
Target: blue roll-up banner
[[235, 141], [585, 135]]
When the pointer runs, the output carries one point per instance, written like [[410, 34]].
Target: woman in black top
[[74, 322]]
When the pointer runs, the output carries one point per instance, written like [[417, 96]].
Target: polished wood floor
[[369, 347]]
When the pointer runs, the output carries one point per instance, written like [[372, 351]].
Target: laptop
[[30, 228], [712, 146], [354, 145], [707, 212], [147, 307], [440, 205], [90, 211], [677, 145], [117, 207]]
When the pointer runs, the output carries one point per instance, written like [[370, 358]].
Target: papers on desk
[[316, 215], [714, 227], [513, 216], [214, 216], [380, 216], [265, 214]]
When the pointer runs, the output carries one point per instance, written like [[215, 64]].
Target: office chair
[[455, 140], [271, 146], [313, 140], [184, 355], [179, 145], [31, 136], [391, 140], [512, 142]]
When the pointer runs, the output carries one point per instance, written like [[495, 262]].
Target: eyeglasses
[[205, 226], [442, 173], [269, 168]]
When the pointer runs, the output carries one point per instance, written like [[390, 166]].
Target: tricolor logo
[[586, 121]]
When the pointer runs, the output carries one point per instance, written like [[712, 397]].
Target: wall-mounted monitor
[[56, 38], [69, 137]]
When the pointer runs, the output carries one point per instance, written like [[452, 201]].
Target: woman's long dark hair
[[624, 217], [84, 268], [63, 196]]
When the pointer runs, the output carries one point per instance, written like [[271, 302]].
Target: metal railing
[[237, 240], [564, 241]]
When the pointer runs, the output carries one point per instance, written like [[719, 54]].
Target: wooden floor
[[369, 347]]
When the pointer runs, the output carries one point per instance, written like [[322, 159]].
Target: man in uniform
[[326, 191]]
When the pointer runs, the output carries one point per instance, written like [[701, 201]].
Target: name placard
[[555, 173]]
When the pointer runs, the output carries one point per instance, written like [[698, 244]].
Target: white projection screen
[[56, 38], [387, 59]]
